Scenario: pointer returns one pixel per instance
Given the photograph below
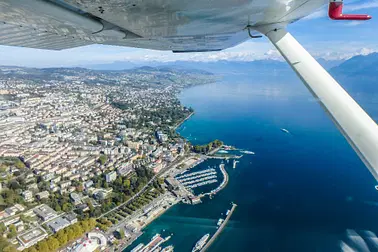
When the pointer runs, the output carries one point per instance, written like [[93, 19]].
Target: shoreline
[[148, 221], [186, 118]]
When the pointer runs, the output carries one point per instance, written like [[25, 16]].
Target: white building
[[111, 176], [27, 195]]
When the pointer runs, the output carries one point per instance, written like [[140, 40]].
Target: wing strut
[[353, 122]]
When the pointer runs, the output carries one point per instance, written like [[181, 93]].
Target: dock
[[221, 186], [212, 239]]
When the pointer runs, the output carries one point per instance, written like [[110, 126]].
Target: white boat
[[228, 211], [285, 130], [248, 152], [220, 221], [199, 245], [138, 248], [168, 249]]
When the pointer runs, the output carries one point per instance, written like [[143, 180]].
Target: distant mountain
[[359, 73], [256, 67], [146, 75], [328, 64]]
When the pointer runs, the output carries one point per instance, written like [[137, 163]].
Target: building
[[88, 184], [45, 212], [111, 176], [11, 210], [161, 137], [125, 169], [71, 218], [32, 237], [95, 242], [172, 183], [28, 196], [58, 224], [42, 195], [102, 193], [76, 199]]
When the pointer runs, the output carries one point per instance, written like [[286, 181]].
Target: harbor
[[195, 178], [185, 183]]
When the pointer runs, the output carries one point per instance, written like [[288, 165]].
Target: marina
[[207, 182], [198, 176], [190, 182], [195, 173]]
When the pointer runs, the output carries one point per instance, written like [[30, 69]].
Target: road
[[177, 161]]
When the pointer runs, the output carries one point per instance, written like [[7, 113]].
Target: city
[[82, 153]]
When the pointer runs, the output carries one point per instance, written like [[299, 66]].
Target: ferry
[[248, 152], [138, 248], [168, 249], [285, 130], [220, 221], [199, 245]]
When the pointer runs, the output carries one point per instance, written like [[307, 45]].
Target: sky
[[323, 38]]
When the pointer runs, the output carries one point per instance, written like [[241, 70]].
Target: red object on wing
[[335, 12]]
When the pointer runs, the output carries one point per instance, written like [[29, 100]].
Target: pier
[[234, 163], [199, 180], [195, 173], [221, 227], [221, 186], [207, 182], [198, 176]]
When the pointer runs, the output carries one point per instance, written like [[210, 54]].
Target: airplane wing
[[175, 25]]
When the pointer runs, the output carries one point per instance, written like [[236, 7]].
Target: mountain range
[[358, 74], [219, 67]]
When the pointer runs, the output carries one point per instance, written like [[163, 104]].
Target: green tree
[[126, 183], [3, 228], [66, 207], [62, 237], [6, 246], [52, 243], [42, 246], [70, 234], [12, 231], [102, 159], [19, 164]]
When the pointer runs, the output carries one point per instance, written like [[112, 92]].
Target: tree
[[19, 164], [42, 246], [6, 246], [57, 208], [66, 207], [102, 159], [52, 243], [12, 231], [70, 234], [3, 228], [62, 237], [126, 183]]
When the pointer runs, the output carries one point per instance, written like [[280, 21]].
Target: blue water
[[300, 192]]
